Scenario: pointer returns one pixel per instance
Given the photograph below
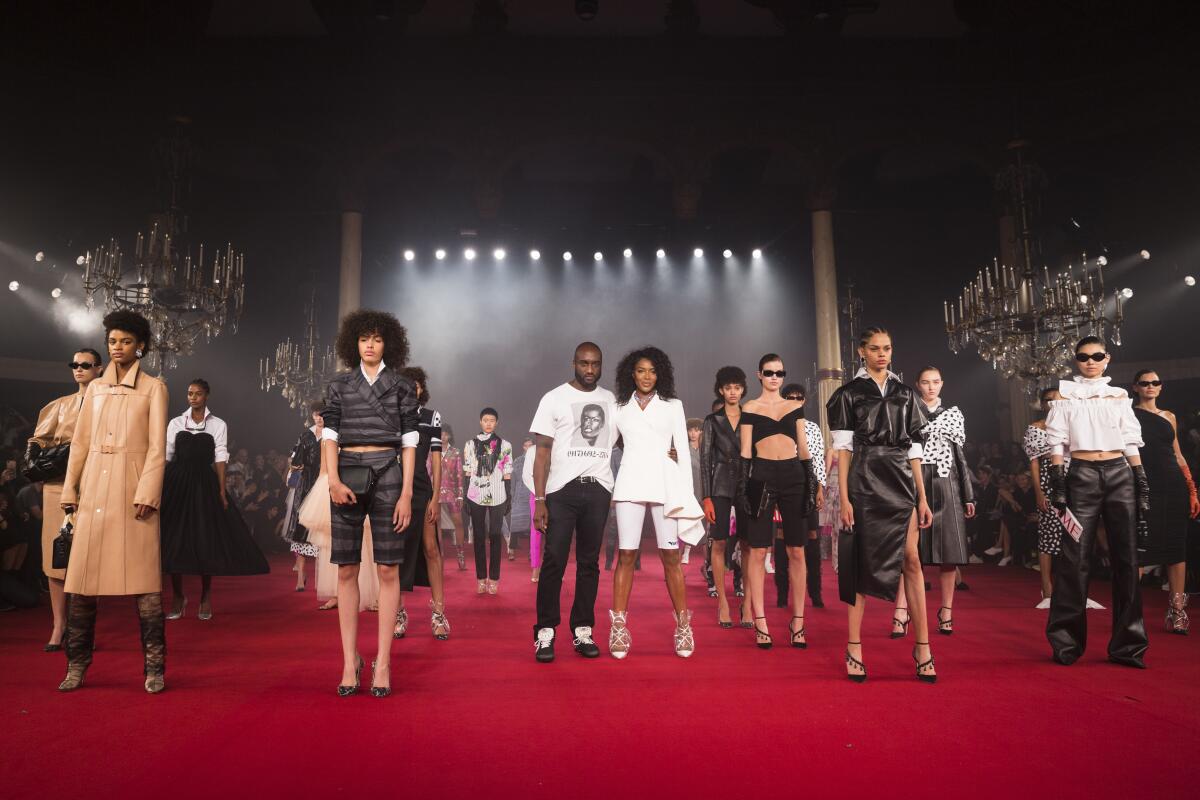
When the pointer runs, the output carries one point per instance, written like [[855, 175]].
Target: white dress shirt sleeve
[[843, 440], [1131, 432], [329, 435], [1057, 428], [915, 451], [407, 441], [220, 436], [173, 429]]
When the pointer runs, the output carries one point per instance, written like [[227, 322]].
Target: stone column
[[825, 294], [350, 277]]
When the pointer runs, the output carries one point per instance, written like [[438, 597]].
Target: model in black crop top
[[762, 426]]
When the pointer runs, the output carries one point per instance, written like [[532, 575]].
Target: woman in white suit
[[655, 477]]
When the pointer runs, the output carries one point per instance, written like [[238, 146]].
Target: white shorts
[[630, 518]]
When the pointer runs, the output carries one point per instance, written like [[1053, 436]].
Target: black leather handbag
[[757, 497], [48, 464], [61, 547]]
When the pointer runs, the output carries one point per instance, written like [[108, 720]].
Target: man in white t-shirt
[[573, 484]]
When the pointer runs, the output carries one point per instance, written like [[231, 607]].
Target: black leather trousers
[[1098, 490]]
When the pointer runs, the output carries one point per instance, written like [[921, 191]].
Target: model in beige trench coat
[[55, 426], [117, 459]]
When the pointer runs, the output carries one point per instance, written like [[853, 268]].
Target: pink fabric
[[535, 537]]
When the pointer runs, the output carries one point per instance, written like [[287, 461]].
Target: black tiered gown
[[199, 535], [1168, 520]]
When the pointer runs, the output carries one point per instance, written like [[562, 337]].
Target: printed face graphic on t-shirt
[[591, 429]]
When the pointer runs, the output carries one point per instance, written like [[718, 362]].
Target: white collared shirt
[[370, 380], [213, 426], [1092, 416], [844, 440]]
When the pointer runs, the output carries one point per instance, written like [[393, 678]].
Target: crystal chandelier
[[1024, 322], [182, 298], [300, 370]]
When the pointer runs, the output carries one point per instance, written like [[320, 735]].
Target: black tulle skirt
[[883, 494], [199, 536]]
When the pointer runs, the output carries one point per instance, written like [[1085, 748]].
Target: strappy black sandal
[[903, 625], [851, 661], [923, 677], [800, 645], [945, 626], [759, 633]]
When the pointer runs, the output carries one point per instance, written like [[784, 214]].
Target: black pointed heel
[[922, 677], [903, 623], [379, 691], [347, 691], [851, 661], [759, 633], [945, 626], [800, 645]]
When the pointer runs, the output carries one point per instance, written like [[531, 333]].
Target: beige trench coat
[[55, 426], [117, 459]]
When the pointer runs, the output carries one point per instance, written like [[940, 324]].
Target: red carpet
[[250, 709]]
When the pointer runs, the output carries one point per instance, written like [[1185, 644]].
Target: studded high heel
[[1177, 618], [762, 639], [346, 691], [798, 644], [903, 623], [852, 662], [945, 626], [924, 677]]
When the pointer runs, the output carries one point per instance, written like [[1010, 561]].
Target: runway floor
[[250, 706]]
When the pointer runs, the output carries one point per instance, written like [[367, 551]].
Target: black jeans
[[582, 509], [487, 522], [1098, 490]]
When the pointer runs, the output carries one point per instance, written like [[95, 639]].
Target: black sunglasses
[[1144, 384], [81, 365], [774, 373], [1082, 358]]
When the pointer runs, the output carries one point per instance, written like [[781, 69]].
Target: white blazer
[[647, 474]]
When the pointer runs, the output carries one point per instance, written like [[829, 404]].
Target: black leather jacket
[[719, 450], [888, 419]]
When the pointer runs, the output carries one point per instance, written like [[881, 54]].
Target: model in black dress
[[877, 428], [203, 532], [1172, 495]]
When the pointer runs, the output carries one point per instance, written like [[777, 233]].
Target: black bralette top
[[762, 426]]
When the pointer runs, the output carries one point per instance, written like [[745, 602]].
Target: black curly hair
[[662, 367], [130, 322], [417, 376], [366, 321], [727, 376], [203, 384]]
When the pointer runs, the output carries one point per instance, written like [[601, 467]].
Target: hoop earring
[[138, 352]]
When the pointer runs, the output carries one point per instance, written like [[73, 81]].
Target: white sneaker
[[993, 551], [543, 646], [1004, 562], [1093, 604], [975, 560], [1044, 604]]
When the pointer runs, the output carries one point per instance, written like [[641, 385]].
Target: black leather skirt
[[884, 496]]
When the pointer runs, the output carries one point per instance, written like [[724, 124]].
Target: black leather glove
[[739, 492], [811, 486], [31, 452], [1141, 488], [1058, 487]]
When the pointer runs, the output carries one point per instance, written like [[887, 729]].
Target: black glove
[[31, 453], [1058, 487], [739, 492], [811, 486], [1141, 488]]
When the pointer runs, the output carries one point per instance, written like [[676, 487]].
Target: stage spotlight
[[439, 254], [14, 285], [409, 255], [756, 253], [1145, 254], [1102, 261], [698, 252], [566, 255], [628, 252], [56, 292], [39, 256], [586, 10], [727, 253], [81, 261], [1189, 280], [1083, 298], [660, 253], [535, 255], [1127, 293], [469, 254], [598, 256], [499, 254]]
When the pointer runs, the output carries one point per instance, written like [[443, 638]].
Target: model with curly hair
[[775, 461], [116, 468], [371, 428], [655, 476]]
